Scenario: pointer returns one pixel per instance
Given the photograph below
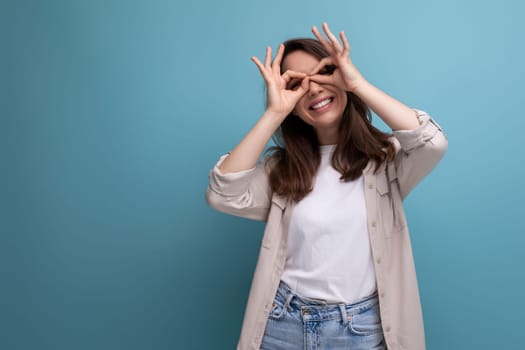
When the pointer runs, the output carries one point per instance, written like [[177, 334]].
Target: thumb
[[303, 89], [322, 79]]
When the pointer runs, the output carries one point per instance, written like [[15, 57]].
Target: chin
[[326, 121]]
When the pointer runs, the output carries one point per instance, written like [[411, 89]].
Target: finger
[[346, 45], [292, 79], [290, 74], [259, 65], [305, 86], [322, 79], [278, 58], [324, 62], [268, 58], [320, 37], [332, 38]]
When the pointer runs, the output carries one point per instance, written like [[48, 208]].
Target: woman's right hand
[[283, 91]]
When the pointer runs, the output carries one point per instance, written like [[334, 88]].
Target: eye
[[327, 70], [293, 84]]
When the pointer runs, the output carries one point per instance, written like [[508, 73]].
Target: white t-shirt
[[329, 255]]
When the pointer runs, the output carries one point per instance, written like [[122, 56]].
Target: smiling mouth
[[322, 104]]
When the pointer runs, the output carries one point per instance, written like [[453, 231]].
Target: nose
[[315, 88]]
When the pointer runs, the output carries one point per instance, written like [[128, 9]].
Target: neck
[[328, 136]]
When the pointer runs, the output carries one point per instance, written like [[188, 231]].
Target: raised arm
[[238, 185], [421, 142], [280, 103], [347, 77]]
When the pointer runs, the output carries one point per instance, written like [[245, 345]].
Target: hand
[[345, 75], [280, 99]]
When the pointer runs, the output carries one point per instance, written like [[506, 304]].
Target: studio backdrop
[[113, 113]]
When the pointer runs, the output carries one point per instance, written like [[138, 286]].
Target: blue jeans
[[297, 322]]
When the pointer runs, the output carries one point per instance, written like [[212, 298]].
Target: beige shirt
[[248, 194]]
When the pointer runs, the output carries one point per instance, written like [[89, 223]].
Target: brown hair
[[296, 158]]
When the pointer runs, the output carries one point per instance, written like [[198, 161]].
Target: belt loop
[[288, 299], [343, 314]]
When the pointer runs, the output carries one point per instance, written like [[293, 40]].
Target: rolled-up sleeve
[[420, 151], [243, 193], [231, 184], [410, 139]]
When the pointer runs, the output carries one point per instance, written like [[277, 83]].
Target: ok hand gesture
[[345, 75], [280, 100]]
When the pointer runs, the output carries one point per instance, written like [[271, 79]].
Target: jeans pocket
[[278, 308], [367, 322]]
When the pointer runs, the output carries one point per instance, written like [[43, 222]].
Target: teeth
[[322, 103]]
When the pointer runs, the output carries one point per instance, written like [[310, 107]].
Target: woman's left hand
[[345, 76]]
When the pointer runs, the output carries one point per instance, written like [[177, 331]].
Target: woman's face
[[323, 105]]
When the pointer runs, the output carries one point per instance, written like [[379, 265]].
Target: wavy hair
[[294, 161]]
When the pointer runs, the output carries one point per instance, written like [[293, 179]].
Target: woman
[[335, 269]]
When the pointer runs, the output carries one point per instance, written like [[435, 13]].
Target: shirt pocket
[[389, 206]]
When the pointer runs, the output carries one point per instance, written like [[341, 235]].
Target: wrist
[[274, 116], [359, 86], [271, 121]]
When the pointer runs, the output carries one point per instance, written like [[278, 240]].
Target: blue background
[[113, 112]]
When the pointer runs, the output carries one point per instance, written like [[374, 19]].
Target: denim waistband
[[321, 309]]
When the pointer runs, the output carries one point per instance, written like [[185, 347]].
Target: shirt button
[[382, 294], [373, 224], [378, 260], [387, 328], [370, 186]]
